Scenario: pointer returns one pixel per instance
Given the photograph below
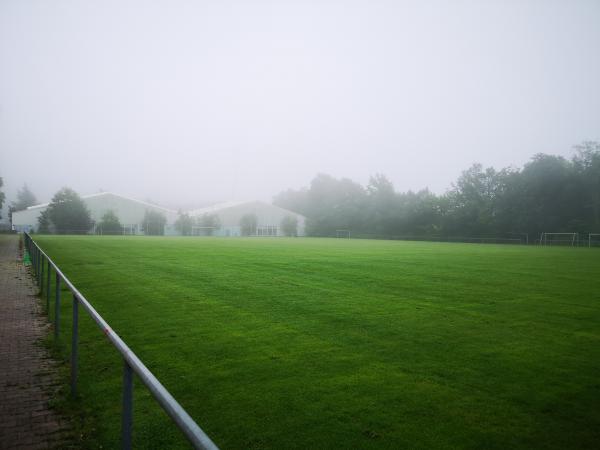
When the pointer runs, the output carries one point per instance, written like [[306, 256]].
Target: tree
[[383, 206], [289, 226], [110, 224], [210, 223], [472, 199], [66, 213], [549, 197], [154, 223], [44, 222], [2, 196], [335, 204], [419, 214], [25, 199], [297, 201], [248, 224], [184, 224], [587, 164], [550, 193]]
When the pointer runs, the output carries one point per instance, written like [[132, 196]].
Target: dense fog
[[187, 103]]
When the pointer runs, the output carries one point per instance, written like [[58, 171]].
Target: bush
[[289, 226], [248, 223], [109, 224], [154, 223], [67, 213]]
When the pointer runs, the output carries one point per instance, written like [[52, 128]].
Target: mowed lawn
[[341, 344]]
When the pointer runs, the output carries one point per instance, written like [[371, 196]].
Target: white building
[[268, 218], [4, 220], [129, 211], [131, 215]]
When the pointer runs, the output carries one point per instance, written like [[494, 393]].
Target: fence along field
[[337, 343]]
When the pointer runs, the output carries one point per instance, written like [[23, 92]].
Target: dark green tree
[[550, 193], [209, 223], [44, 222], [297, 201], [66, 213], [419, 214], [248, 224], [2, 196], [335, 204], [184, 224], [25, 199], [473, 200], [587, 164], [289, 226], [154, 223], [109, 224], [383, 208]]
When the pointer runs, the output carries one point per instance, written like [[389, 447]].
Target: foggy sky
[[187, 102]]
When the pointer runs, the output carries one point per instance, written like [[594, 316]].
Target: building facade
[[129, 211], [227, 217], [269, 219]]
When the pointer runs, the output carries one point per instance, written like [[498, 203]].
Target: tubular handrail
[[195, 435]]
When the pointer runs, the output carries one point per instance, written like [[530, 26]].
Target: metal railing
[[42, 265]]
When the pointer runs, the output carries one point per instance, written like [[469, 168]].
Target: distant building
[[129, 211], [268, 218], [4, 217], [131, 215]]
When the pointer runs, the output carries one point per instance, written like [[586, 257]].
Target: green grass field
[[324, 343]]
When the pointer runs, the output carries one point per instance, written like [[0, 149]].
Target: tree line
[[549, 194], [207, 224]]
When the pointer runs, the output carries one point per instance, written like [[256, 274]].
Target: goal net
[[344, 234], [571, 239], [594, 240], [203, 231]]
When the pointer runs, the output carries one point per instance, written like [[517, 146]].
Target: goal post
[[593, 239], [523, 237], [203, 231], [344, 234], [571, 239]]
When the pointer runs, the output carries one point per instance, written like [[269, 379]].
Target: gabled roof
[[226, 205], [195, 212], [101, 194], [216, 207]]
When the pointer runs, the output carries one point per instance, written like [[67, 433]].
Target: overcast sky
[[187, 102]]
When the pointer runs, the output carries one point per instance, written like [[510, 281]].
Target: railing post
[[127, 419], [57, 307], [48, 289], [74, 344], [41, 280], [33, 258]]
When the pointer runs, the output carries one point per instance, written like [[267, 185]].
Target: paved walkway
[[28, 376]]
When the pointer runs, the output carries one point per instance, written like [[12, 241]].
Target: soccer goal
[[203, 231], [344, 234], [571, 239], [594, 240]]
